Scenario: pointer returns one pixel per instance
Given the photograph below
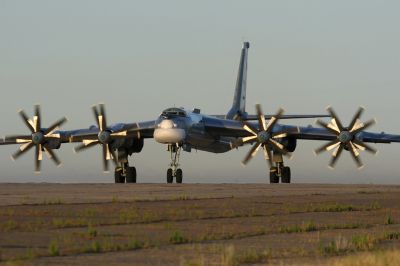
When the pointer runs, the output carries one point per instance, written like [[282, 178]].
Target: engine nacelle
[[53, 143], [136, 146], [289, 143]]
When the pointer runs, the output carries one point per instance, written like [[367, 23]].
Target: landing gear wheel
[[170, 177], [273, 175], [119, 178], [130, 175], [286, 174], [179, 176]]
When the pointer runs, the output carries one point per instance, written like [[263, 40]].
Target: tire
[[170, 178], [119, 178], [179, 176], [273, 177], [131, 175], [286, 175]]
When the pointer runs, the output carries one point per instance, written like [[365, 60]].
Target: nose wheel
[[174, 171]]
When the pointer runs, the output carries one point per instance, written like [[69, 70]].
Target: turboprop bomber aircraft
[[183, 130]]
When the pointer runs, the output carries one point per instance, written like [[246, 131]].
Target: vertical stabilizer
[[238, 109]]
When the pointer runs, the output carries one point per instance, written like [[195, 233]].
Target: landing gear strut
[[174, 171], [123, 172], [279, 171]]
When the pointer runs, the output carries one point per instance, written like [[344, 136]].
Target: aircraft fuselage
[[184, 128]]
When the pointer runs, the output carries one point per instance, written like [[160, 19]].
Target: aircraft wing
[[132, 130], [313, 133], [254, 117], [233, 128], [224, 127]]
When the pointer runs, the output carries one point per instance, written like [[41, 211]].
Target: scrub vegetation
[[227, 226]]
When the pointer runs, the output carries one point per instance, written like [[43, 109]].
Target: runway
[[194, 224]]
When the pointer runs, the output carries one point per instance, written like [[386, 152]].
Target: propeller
[[346, 137], [104, 137], [264, 137], [39, 138]]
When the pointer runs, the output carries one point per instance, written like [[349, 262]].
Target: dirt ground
[[194, 224]]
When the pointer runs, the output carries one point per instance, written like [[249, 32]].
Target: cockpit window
[[173, 112]]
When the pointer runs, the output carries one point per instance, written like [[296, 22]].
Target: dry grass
[[241, 226], [378, 258]]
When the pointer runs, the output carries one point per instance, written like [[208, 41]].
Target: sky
[[140, 57]]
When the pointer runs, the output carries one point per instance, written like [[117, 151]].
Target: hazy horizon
[[142, 57]]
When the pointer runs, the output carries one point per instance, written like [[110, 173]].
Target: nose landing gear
[[174, 171]]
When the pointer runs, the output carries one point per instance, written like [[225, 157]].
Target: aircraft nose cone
[[166, 124], [169, 135]]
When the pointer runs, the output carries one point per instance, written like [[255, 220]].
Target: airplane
[[183, 130]]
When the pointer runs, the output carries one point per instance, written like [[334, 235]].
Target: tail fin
[[238, 109]]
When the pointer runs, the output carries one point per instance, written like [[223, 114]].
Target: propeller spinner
[[264, 137], [38, 138], [346, 137], [104, 137]]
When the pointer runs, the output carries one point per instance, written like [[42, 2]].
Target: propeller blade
[[19, 138], [55, 126], [335, 116], [248, 139], [327, 147], [274, 119], [356, 117], [105, 156], [279, 135], [103, 117], [52, 156], [363, 146], [113, 155], [328, 127], [85, 146], [261, 118], [25, 118], [336, 155], [119, 134], [37, 118], [23, 149], [366, 125], [356, 155], [38, 157], [267, 155], [252, 152], [250, 128], [278, 146], [96, 116], [286, 132]]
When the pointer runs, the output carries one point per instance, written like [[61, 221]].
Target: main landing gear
[[279, 170], [174, 171], [123, 172]]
